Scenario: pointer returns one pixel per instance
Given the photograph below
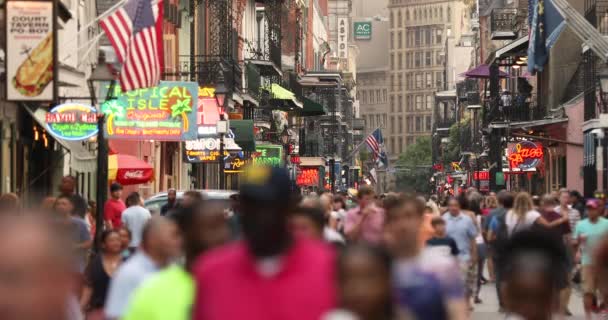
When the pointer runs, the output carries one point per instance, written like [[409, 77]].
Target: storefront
[[310, 174]]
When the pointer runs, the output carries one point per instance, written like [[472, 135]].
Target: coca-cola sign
[[134, 174]]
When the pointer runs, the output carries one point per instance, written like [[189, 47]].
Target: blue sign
[[72, 121]]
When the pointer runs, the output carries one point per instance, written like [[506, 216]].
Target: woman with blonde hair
[[523, 215]]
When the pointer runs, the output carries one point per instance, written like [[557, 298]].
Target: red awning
[[129, 170]]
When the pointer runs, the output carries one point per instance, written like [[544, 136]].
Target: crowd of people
[[272, 255]]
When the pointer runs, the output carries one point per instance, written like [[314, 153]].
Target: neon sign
[[166, 112], [308, 177], [525, 155], [268, 155], [72, 121], [235, 164], [481, 175]]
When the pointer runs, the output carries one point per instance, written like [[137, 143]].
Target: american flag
[[375, 142], [135, 31]]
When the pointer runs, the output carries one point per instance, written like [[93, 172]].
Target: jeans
[[481, 259]]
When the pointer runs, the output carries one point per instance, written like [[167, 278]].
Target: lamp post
[[100, 74], [221, 92]]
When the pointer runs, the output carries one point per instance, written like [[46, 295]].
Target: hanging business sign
[[207, 112], [343, 37], [72, 121], [525, 155], [363, 30], [208, 149], [308, 177], [235, 163], [481, 175], [268, 155], [30, 51], [166, 112]]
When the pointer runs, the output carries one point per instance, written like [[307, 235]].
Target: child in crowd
[[440, 242]]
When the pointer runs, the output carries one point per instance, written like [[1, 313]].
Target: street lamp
[[221, 92], [101, 74]]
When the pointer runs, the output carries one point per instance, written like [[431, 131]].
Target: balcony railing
[[503, 24], [206, 69], [518, 109]]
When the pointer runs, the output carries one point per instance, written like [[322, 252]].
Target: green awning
[[282, 98], [312, 108], [243, 134]]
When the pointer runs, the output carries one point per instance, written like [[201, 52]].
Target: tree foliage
[[413, 169], [459, 140]]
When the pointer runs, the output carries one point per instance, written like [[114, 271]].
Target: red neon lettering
[[521, 154]]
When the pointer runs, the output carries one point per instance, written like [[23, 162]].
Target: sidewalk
[[488, 310]]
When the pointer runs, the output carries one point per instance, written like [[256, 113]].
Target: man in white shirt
[[135, 218]]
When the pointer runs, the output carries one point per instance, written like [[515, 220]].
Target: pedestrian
[[171, 202], [462, 229], [308, 222], [98, 274], [114, 207], [46, 206], [75, 227], [426, 228], [587, 234], [365, 287], [440, 242], [574, 216], [9, 204], [491, 204], [161, 244], [578, 202], [339, 212], [91, 218], [68, 188], [366, 221], [135, 218], [191, 198], [125, 241], [37, 281], [329, 234], [170, 293], [426, 284], [600, 265], [237, 280], [530, 270]]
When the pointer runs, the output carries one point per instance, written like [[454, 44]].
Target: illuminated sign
[[207, 112], [72, 121], [525, 155], [166, 112], [207, 149], [295, 159], [308, 177], [235, 163], [481, 175], [268, 155]]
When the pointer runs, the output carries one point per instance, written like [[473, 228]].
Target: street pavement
[[488, 310]]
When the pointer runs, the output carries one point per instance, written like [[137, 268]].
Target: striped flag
[[135, 31], [375, 143]]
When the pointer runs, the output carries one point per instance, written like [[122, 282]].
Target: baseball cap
[[592, 203], [267, 184]]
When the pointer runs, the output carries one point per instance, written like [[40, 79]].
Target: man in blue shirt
[[462, 229]]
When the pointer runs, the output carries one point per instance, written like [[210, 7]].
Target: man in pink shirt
[[269, 275], [365, 222]]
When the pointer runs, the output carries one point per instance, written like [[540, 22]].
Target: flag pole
[[350, 156]]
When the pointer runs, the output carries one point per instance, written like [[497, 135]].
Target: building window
[[363, 97], [372, 99], [438, 58], [399, 18], [392, 87], [393, 145], [409, 124], [427, 59], [435, 12], [408, 103], [384, 96], [378, 120], [418, 59], [418, 124], [399, 40], [378, 97], [429, 79], [392, 124], [410, 140], [400, 83], [418, 38], [421, 35], [428, 123], [400, 106], [383, 120], [418, 102], [400, 61], [408, 81], [392, 104], [392, 40], [392, 20], [427, 36], [449, 14], [418, 81], [400, 119], [392, 60], [438, 36], [441, 12], [408, 38], [407, 15], [429, 102], [408, 60], [439, 79], [400, 145], [415, 15]]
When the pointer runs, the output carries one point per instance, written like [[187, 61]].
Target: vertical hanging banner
[[166, 112], [343, 37], [30, 51]]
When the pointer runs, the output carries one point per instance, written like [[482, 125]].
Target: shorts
[[589, 280], [468, 272]]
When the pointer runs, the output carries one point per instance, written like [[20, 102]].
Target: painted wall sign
[[30, 51], [308, 177], [343, 37], [207, 112], [525, 155], [363, 30], [72, 121], [268, 155], [166, 112]]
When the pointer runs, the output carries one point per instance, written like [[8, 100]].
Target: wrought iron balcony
[[518, 109], [503, 24], [254, 83], [266, 52], [206, 69]]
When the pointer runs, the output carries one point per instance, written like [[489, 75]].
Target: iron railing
[[205, 70], [516, 108]]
